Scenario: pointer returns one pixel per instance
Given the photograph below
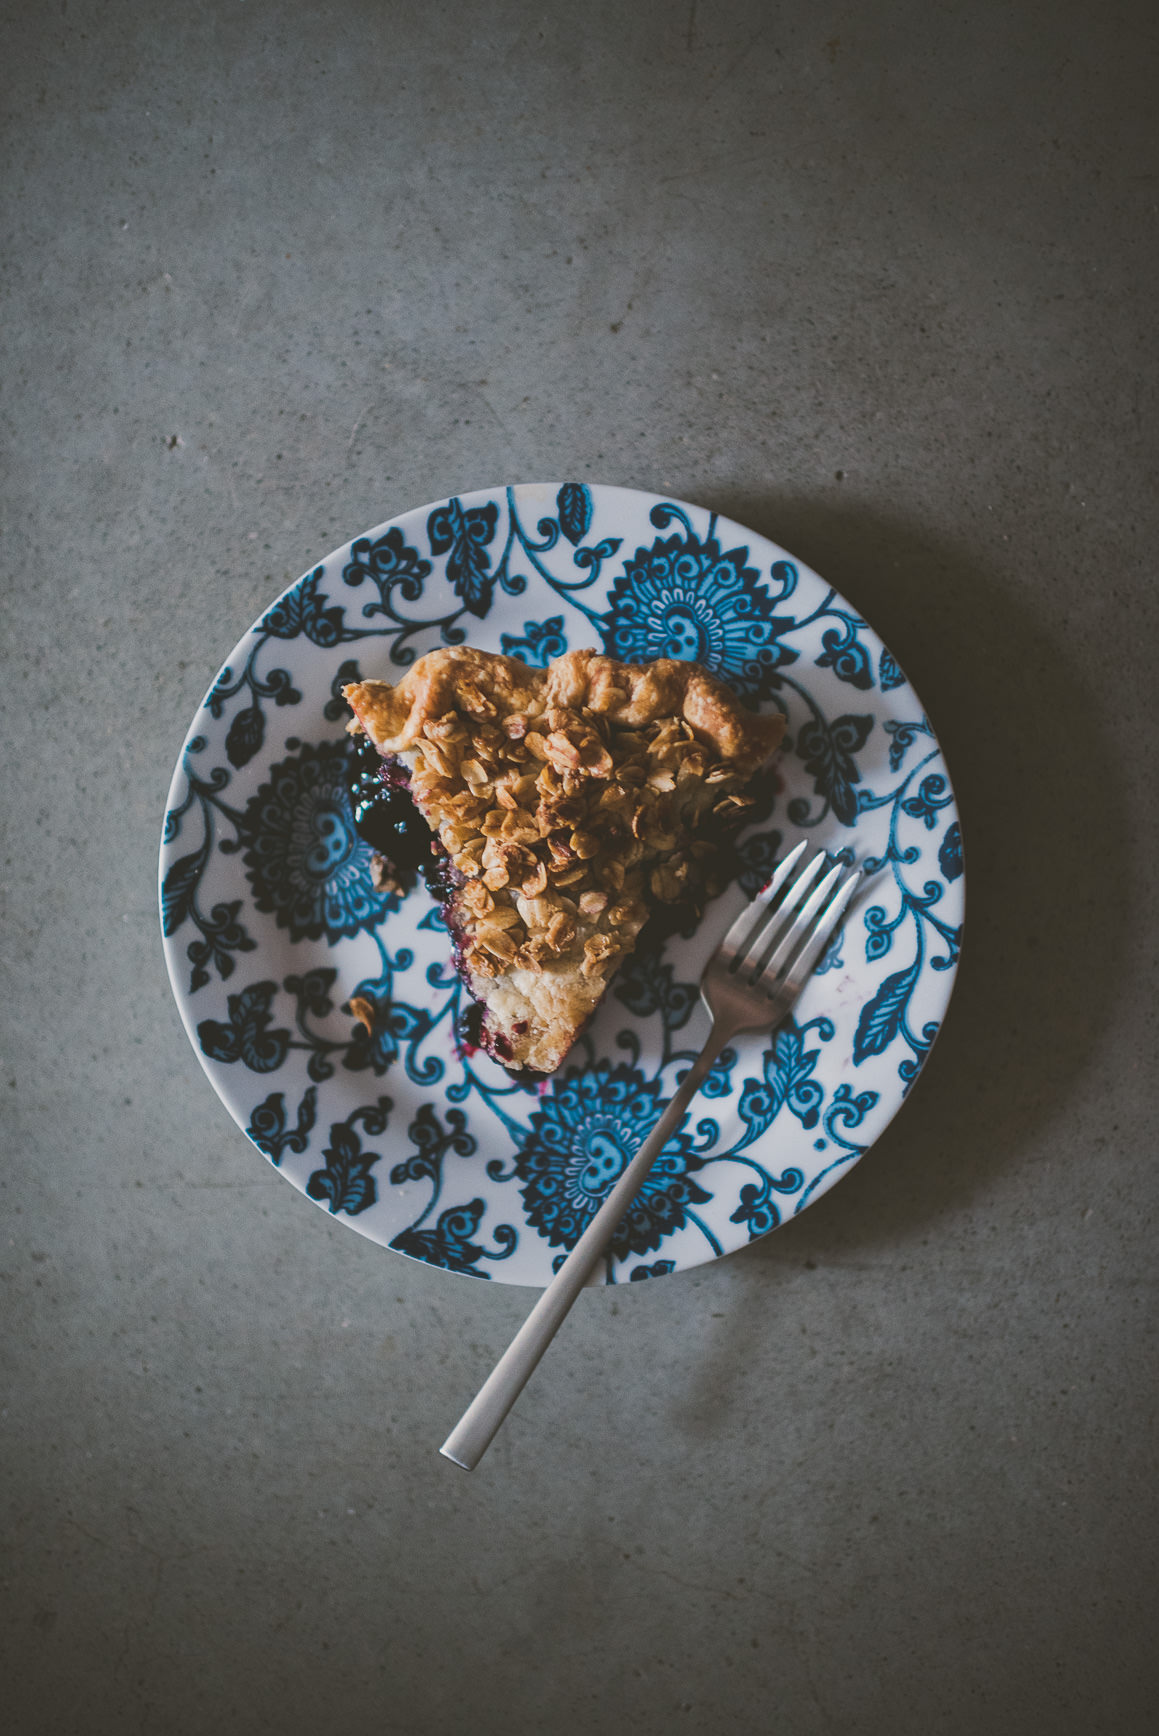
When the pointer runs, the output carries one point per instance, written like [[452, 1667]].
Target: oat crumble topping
[[570, 801]]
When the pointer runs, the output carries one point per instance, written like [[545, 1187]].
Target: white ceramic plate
[[271, 922]]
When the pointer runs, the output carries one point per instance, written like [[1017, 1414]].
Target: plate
[[271, 922]]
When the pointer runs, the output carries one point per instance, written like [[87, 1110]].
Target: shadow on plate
[[1048, 900]]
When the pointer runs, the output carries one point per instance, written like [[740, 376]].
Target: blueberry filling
[[387, 819], [384, 815]]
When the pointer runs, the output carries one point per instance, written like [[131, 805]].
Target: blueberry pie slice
[[566, 805]]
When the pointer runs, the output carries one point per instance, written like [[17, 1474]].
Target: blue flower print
[[888, 672], [450, 1243], [658, 1269], [463, 537], [270, 1131], [581, 1137], [389, 563], [574, 505], [683, 598], [950, 854], [346, 1184], [302, 609], [307, 865], [539, 642], [247, 1036]]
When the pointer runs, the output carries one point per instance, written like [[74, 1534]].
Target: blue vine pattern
[[449, 1241]]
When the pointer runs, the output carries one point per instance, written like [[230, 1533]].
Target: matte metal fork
[[749, 984]]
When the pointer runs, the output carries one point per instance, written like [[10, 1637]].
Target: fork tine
[[781, 919], [774, 960], [739, 937], [774, 917], [816, 933], [783, 870]]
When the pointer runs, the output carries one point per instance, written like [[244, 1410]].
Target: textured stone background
[[878, 280]]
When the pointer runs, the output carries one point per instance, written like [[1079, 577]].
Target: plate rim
[[726, 529]]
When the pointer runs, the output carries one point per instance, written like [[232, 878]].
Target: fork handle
[[473, 1434]]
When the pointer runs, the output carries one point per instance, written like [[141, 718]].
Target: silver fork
[[749, 984]]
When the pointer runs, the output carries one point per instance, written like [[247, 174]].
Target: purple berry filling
[[387, 818]]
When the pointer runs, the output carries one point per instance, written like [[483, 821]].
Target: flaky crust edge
[[632, 695]]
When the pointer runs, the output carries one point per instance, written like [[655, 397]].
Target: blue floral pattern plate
[[271, 920]]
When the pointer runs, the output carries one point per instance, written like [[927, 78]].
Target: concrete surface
[[877, 280]]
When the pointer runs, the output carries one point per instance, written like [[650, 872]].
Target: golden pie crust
[[571, 801]]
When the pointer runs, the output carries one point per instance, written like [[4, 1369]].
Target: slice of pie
[[566, 805]]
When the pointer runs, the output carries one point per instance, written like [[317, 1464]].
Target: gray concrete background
[[878, 280]]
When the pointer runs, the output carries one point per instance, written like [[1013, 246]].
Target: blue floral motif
[[463, 536], [787, 1082], [827, 750], [450, 1243], [831, 958], [881, 1017], [902, 737], [719, 1080], [845, 1111], [658, 1269], [313, 1000], [390, 564], [247, 732], [592, 559], [539, 643], [431, 1143], [302, 609], [179, 887], [222, 932], [269, 1131], [584, 1132], [246, 1037], [574, 506], [346, 1184], [644, 984], [880, 930], [950, 853], [398, 573], [924, 806], [757, 856], [374, 1048], [757, 1210], [307, 865], [686, 599], [884, 1018], [247, 729], [845, 654], [888, 673]]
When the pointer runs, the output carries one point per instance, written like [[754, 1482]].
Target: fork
[[749, 984]]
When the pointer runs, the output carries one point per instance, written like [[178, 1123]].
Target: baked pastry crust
[[570, 801]]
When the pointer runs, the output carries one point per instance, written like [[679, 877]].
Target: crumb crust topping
[[569, 800]]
